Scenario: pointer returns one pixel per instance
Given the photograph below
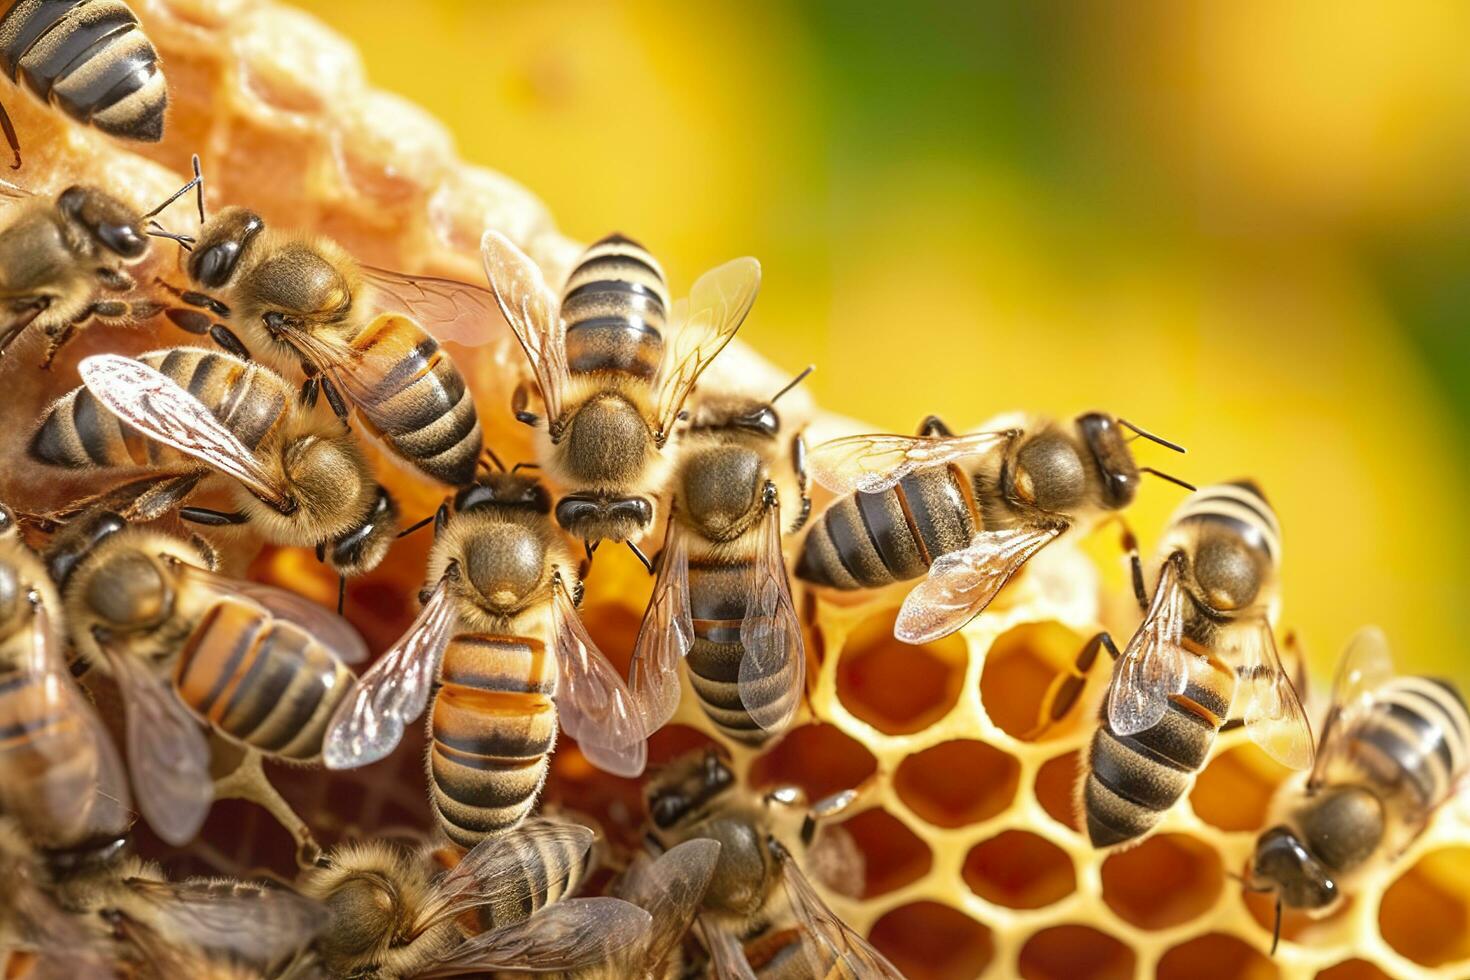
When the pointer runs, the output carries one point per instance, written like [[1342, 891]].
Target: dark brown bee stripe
[[548, 870], [1241, 507], [1413, 739], [615, 304]]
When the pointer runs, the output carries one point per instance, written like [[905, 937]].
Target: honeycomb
[[973, 862]]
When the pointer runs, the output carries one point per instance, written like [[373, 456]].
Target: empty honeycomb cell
[[957, 783], [1353, 970], [1056, 788], [614, 627], [672, 741], [1020, 668], [930, 941], [897, 688], [1234, 791], [1425, 914], [1074, 952], [1019, 870], [1216, 956], [892, 854], [1166, 881], [821, 759]]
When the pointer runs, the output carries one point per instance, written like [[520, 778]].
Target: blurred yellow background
[[1243, 224]]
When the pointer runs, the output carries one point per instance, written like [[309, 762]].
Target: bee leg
[[309, 389], [519, 399], [249, 782], [334, 398], [55, 341], [933, 427], [341, 592], [190, 297], [803, 482], [1067, 688], [1130, 547], [225, 337], [10, 136], [211, 518]]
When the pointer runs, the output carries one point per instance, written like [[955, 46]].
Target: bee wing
[[450, 310], [12, 192], [368, 724], [492, 873], [51, 803], [829, 942], [701, 326], [873, 463], [670, 889], [962, 583], [773, 668], [1274, 717], [727, 956], [1365, 664], [318, 622], [594, 705], [153, 404], [260, 925], [167, 754], [566, 935], [65, 950], [1152, 668], [533, 312], [665, 637]]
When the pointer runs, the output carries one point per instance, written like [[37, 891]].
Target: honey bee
[[38, 937], [612, 387], [187, 413], [1205, 651], [90, 59], [727, 607], [695, 797], [304, 300], [60, 776], [390, 916], [1393, 750], [969, 510], [261, 667], [501, 647]]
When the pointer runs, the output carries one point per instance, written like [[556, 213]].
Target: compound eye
[[122, 239], [571, 512], [666, 810], [211, 267]]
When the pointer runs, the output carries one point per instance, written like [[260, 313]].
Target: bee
[[1393, 750], [969, 511], [502, 649], [60, 776], [90, 59], [305, 301], [728, 606], [695, 797], [390, 916], [263, 668], [36, 933], [614, 364], [187, 413], [1204, 652]]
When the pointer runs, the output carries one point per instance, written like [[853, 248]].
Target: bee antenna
[[793, 383], [640, 556], [1151, 437], [341, 592], [1164, 476], [1276, 928], [196, 183], [525, 466], [490, 455], [416, 525], [157, 230]]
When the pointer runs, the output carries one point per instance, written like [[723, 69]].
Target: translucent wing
[[493, 872], [670, 890], [727, 957], [164, 412], [1152, 668], [962, 583], [700, 329], [533, 312], [1365, 664], [567, 935], [368, 724], [873, 463], [64, 782], [167, 754], [450, 310], [1273, 713], [833, 948], [65, 949], [593, 704], [318, 622], [773, 667], [665, 637], [255, 923]]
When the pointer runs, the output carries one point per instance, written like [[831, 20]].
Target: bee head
[[512, 490], [1110, 454], [363, 547], [1282, 864], [685, 786], [105, 220], [597, 516]]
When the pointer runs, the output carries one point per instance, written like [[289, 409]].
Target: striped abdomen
[[1239, 506], [411, 393], [548, 870], [1133, 780], [79, 433], [1411, 748], [866, 540], [492, 727], [91, 60], [718, 593], [614, 305], [261, 681]]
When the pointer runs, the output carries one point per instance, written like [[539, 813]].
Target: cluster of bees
[[311, 351]]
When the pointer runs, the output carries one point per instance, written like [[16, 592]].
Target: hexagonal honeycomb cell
[[973, 867]]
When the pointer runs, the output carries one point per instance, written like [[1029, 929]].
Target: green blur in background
[[1244, 224]]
